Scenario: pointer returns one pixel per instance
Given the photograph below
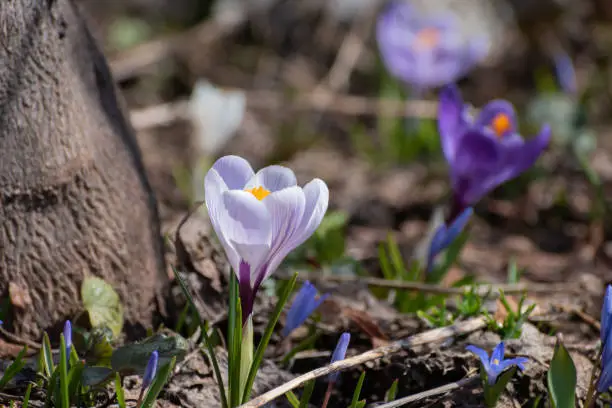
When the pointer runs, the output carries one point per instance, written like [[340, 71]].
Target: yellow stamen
[[427, 37], [501, 124], [496, 362], [259, 192]]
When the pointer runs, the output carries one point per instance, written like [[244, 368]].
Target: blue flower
[[68, 338], [496, 364], [566, 74], [339, 354], [445, 235], [151, 370], [605, 378], [305, 302]]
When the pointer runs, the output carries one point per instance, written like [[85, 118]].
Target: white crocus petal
[[317, 200], [234, 170], [245, 223], [214, 187], [216, 115], [272, 178], [286, 208]]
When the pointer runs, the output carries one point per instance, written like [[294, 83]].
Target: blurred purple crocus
[[445, 235], [339, 354], [605, 378], [485, 151], [496, 365], [260, 217], [425, 51], [305, 302]]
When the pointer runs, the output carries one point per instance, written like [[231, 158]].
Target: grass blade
[[204, 329], [26, 397], [119, 391], [63, 373], [48, 355], [263, 343], [160, 380], [14, 368], [355, 401], [308, 389], [293, 399]]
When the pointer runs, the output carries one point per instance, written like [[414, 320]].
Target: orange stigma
[[501, 124], [427, 37], [259, 192]]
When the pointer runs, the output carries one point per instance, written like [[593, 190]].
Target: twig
[[430, 393], [352, 105], [483, 289], [430, 336]]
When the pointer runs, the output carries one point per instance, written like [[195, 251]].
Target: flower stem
[[591, 393], [330, 387]]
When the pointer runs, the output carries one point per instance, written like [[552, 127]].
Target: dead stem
[[430, 336], [483, 289], [433, 392]]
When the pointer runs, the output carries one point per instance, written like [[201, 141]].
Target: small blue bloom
[[496, 364], [605, 378], [566, 74], [339, 354], [151, 370], [68, 338], [305, 302], [445, 235]]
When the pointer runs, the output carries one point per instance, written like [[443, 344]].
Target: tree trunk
[[74, 196]]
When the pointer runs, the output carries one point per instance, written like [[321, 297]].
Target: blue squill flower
[[305, 302], [260, 218], [68, 338], [485, 151], [150, 370], [605, 378], [339, 354], [496, 365], [425, 51], [445, 235], [566, 73]]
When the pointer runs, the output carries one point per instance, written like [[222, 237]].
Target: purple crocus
[[496, 365], [445, 235], [483, 151], [305, 302], [150, 370], [605, 378], [425, 51], [339, 354], [260, 217], [566, 74]]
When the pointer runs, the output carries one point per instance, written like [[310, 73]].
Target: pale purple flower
[[305, 302], [566, 74], [150, 370], [446, 234], [339, 354], [260, 217], [425, 51], [483, 151], [605, 378], [496, 365], [68, 338]]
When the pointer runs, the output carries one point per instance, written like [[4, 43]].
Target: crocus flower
[[339, 354], [305, 302], [260, 217], [150, 370], [605, 378], [445, 235], [68, 338], [483, 151], [425, 51], [496, 364]]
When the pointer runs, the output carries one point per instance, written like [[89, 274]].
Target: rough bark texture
[[74, 196]]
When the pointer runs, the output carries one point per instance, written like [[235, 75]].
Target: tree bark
[[74, 196]]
